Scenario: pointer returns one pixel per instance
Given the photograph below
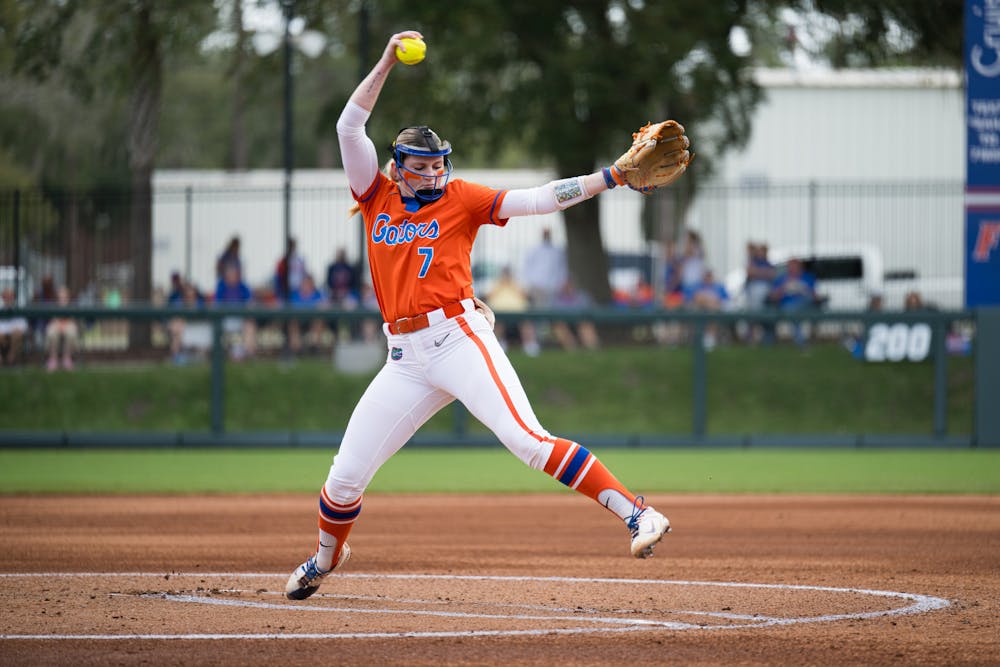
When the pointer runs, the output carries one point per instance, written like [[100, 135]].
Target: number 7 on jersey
[[428, 255]]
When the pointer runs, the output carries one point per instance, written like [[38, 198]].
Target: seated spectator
[[507, 296], [264, 298], [571, 298], [12, 331], [639, 296], [760, 276], [306, 297], [343, 289], [673, 293], [232, 291], [691, 268], [913, 301], [710, 296], [342, 282], [61, 335], [794, 291], [855, 343], [176, 295], [46, 295], [187, 337]]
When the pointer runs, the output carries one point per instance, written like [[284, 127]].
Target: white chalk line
[[919, 604], [503, 605], [198, 599]]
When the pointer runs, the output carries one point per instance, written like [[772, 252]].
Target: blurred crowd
[[293, 285], [543, 284]]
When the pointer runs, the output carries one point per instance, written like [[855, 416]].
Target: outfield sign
[[898, 342], [982, 179]]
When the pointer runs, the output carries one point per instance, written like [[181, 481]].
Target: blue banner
[[982, 258], [982, 179]]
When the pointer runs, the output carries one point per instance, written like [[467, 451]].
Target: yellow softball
[[415, 51]]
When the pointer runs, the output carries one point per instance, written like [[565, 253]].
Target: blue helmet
[[422, 141]]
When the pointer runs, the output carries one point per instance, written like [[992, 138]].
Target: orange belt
[[417, 322]]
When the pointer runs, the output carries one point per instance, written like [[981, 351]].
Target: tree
[[892, 32], [120, 45]]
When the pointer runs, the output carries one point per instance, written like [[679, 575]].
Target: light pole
[[289, 150], [292, 37]]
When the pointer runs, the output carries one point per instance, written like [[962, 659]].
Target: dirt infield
[[505, 580]]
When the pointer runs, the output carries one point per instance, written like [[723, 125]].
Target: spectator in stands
[[229, 257], [760, 276], [288, 275], [61, 334], [570, 297], [307, 297], [186, 336], [913, 301], [547, 281], [232, 291], [794, 291], [507, 296], [673, 293], [642, 295], [342, 282], [708, 296], [343, 290], [545, 272], [855, 342], [692, 262], [176, 295], [289, 272], [12, 331], [46, 296]]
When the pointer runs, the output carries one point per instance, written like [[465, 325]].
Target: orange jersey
[[421, 260]]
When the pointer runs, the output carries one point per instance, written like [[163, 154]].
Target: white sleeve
[[356, 150], [548, 198]]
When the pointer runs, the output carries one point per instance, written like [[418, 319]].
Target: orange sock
[[335, 522], [581, 471]]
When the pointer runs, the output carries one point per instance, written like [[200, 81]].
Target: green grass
[[618, 390], [497, 471]]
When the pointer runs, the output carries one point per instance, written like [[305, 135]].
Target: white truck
[[849, 276]]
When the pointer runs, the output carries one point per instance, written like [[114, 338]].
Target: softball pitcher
[[420, 226]]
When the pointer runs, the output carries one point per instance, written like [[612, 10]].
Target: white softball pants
[[458, 358]]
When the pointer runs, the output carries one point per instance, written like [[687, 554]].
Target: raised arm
[[356, 149]]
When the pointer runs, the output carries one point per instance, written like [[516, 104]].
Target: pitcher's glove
[[657, 157], [485, 310]]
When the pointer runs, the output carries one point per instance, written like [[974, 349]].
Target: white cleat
[[306, 578], [647, 527]]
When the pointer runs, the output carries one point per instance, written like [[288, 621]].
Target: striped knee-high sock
[[581, 471], [335, 522]]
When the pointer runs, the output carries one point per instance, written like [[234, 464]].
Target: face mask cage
[[434, 148]]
